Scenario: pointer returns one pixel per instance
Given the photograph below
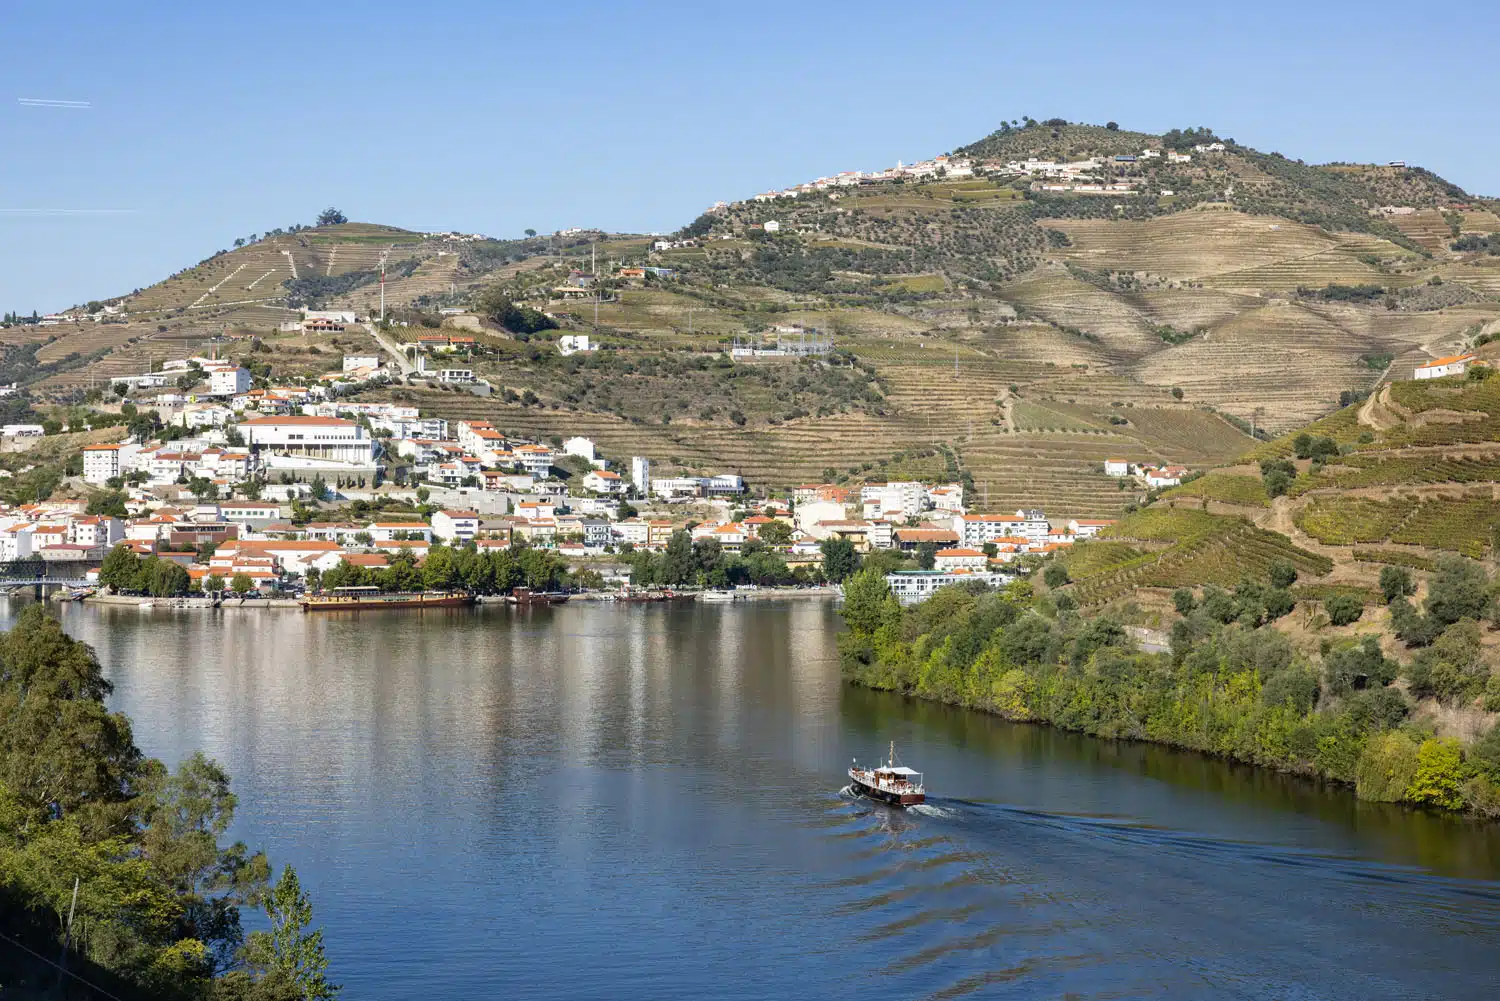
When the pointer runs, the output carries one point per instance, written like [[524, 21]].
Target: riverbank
[[1238, 692]]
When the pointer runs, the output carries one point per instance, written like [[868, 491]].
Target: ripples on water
[[641, 803]]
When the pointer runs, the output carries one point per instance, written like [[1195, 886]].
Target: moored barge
[[355, 599]]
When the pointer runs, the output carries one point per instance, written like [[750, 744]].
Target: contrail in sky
[[47, 102], [46, 212]]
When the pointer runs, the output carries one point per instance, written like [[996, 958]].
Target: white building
[[640, 474], [569, 344], [1439, 367], [95, 530], [1165, 476], [15, 542], [977, 529], [1087, 528], [959, 559], [253, 514], [328, 438], [228, 381], [912, 586], [1116, 467], [678, 488], [581, 447], [602, 481], [399, 531], [102, 462], [535, 459], [893, 500], [455, 527], [353, 363], [725, 485]]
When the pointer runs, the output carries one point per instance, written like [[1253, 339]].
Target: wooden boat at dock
[[357, 599], [526, 596], [889, 783]]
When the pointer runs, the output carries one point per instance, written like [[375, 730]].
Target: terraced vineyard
[[1461, 524], [1245, 491], [1344, 521], [1203, 549]]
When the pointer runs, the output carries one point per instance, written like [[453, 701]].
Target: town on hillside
[[268, 491]]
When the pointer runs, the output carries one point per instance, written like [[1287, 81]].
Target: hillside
[[983, 325]]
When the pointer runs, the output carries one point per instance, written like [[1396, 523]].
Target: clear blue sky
[[213, 121]]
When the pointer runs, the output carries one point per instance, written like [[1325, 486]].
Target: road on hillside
[[392, 349]]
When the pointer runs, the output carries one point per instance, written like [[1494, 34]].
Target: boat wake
[[930, 809]]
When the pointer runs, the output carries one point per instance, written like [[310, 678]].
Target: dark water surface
[[638, 802]]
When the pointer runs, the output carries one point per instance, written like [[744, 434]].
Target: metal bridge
[[43, 573]]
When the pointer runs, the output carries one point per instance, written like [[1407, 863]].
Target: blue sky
[[218, 120]]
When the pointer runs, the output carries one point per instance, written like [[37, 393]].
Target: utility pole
[[382, 284]]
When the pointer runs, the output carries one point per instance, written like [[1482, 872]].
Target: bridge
[[40, 573]]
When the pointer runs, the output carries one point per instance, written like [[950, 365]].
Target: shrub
[[1386, 768], [1283, 574], [1439, 774], [1056, 575], [1343, 609], [1183, 600]]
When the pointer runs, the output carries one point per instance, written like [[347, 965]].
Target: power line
[[62, 969]]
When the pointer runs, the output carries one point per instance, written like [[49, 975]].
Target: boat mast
[[892, 762]]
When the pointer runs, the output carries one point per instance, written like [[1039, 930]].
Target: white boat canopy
[[897, 770]]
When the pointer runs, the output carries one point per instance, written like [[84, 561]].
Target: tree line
[[1228, 686], [116, 864]]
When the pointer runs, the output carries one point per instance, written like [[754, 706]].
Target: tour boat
[[526, 596], [352, 599], [889, 783]]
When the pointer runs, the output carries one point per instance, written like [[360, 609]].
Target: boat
[[356, 599], [526, 596], [719, 597], [889, 783], [638, 596]]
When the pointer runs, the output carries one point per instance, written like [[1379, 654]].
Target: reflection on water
[[604, 802]]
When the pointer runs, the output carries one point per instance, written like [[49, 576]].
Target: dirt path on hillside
[[1381, 398]]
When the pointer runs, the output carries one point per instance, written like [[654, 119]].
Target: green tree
[[1055, 575], [679, 565], [213, 583], [331, 217], [1183, 600], [775, 533], [1439, 774], [290, 950], [1343, 609], [1459, 590], [63, 754], [108, 502], [241, 584], [1282, 574], [1395, 582], [840, 559], [867, 601], [120, 569], [440, 569], [1387, 768]]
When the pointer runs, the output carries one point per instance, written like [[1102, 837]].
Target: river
[[597, 801]]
